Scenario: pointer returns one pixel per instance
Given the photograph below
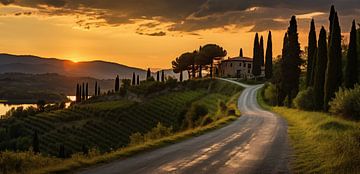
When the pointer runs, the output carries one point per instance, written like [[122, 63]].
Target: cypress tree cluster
[[158, 76], [334, 65], [82, 92], [256, 69], [241, 53], [311, 62], [351, 68], [290, 65], [138, 80], [269, 57]]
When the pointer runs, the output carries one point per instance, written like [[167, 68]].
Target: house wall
[[239, 69]]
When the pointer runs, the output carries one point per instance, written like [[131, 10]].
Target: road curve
[[255, 143]]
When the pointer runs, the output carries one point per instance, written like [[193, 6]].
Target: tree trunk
[[211, 69], [193, 71], [181, 76]]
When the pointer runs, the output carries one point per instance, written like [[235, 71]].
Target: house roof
[[241, 59]]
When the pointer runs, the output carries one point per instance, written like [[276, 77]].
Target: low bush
[[347, 103], [305, 100], [157, 132], [194, 114], [270, 94]]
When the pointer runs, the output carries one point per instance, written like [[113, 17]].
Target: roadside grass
[[321, 143]]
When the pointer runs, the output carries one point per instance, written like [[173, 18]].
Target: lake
[[6, 107]]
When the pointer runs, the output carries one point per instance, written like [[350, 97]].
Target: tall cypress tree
[[181, 76], [148, 74], [261, 51], [162, 76], [269, 56], [83, 91], [290, 65], [158, 76], [87, 91], [36, 143], [351, 69], [311, 64], [117, 83], [138, 80], [80, 93], [320, 70], [280, 87], [334, 68], [331, 20], [134, 80], [256, 69], [241, 53], [96, 88], [99, 91], [77, 93]]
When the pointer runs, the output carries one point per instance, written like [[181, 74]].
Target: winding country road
[[255, 143]]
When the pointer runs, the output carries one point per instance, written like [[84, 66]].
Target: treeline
[[260, 58], [325, 76], [198, 60]]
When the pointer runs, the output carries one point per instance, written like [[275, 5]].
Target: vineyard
[[107, 125]]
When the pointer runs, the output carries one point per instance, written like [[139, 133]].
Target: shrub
[[206, 120], [270, 94], [305, 100], [194, 114], [157, 132], [136, 138], [347, 103]]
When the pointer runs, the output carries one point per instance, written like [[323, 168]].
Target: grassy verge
[[80, 161], [321, 143]]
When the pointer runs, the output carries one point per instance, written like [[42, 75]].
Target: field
[[106, 126], [321, 143]]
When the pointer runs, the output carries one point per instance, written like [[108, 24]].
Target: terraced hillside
[[107, 125]]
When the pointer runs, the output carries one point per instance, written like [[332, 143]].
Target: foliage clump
[[347, 102]]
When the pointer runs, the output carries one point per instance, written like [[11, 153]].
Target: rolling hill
[[97, 69]]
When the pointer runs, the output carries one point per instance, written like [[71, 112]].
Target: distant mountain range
[[96, 69]]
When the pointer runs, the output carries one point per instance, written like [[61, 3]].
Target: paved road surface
[[255, 143]]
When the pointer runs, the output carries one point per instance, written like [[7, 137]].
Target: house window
[[249, 65], [249, 71], [240, 64], [230, 64], [244, 64]]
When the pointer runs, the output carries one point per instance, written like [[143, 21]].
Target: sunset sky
[[151, 33]]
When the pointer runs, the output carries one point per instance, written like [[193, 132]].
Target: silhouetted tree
[[148, 74], [334, 68], [158, 76], [320, 69], [256, 69], [80, 93], [162, 76], [87, 91], [241, 53], [99, 91], [36, 143], [96, 88], [77, 93], [269, 57], [311, 62], [351, 69], [331, 19], [83, 91], [183, 63], [212, 52], [117, 83], [138, 80], [62, 151], [261, 51], [133, 80], [290, 64]]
